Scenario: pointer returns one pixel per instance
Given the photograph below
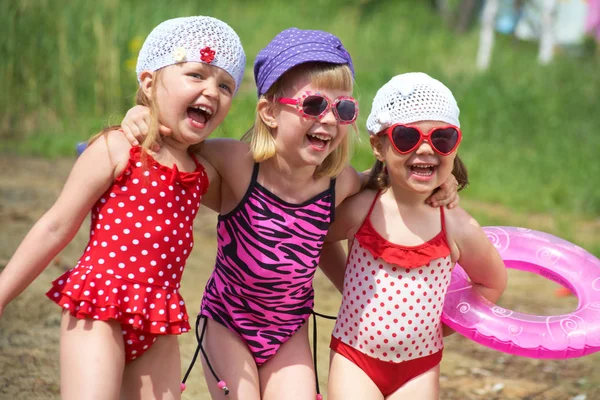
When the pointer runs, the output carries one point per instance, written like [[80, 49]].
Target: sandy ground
[[29, 329]]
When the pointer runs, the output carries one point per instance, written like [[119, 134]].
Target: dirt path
[[29, 329]]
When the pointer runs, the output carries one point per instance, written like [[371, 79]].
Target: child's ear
[[377, 143], [266, 111], [147, 82]]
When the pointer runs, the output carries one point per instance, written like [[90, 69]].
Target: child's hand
[[136, 125], [447, 195]]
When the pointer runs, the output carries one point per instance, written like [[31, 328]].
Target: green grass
[[530, 131]]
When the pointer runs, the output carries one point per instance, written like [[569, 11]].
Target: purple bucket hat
[[293, 47]]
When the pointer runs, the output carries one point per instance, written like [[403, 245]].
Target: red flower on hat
[[207, 54]]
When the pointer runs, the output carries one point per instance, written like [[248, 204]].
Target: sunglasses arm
[[286, 100]]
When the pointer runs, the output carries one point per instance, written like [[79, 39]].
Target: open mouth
[[318, 141], [200, 115], [423, 169]]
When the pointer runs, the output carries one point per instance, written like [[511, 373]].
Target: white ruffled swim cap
[[199, 39], [409, 98]]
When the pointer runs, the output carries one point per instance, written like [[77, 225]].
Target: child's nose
[[211, 89], [425, 148], [328, 117]]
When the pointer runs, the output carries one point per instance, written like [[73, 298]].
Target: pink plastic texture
[[558, 336]]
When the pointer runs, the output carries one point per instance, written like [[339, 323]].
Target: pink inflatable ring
[[559, 336]]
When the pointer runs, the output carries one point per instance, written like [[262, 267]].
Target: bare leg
[[232, 361], [92, 358], [290, 373], [348, 382], [156, 374]]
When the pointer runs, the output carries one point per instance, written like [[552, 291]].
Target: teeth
[[324, 138], [423, 166], [202, 108]]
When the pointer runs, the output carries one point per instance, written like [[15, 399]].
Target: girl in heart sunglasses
[[388, 339], [276, 192]]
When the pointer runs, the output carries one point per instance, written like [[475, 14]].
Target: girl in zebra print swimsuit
[[277, 192]]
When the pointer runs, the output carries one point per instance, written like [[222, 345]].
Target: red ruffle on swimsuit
[[140, 238]]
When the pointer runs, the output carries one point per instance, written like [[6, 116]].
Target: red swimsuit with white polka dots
[[394, 295], [141, 236]]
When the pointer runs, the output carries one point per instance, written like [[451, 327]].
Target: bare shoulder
[[458, 219], [463, 230], [350, 215], [112, 146], [362, 199], [347, 184], [349, 175], [94, 171], [117, 142], [224, 146], [226, 154]]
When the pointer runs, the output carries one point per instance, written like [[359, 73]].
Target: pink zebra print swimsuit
[[268, 252]]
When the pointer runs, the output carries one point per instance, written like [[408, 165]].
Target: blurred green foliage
[[531, 141]]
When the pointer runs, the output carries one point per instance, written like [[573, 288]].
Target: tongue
[[316, 142], [196, 115]]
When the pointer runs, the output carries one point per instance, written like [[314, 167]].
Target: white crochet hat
[[198, 39], [409, 98]]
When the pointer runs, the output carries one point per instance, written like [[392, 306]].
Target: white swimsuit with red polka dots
[[140, 239], [393, 295]]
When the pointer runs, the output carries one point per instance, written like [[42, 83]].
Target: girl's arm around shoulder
[[475, 253], [349, 216], [92, 174], [226, 155]]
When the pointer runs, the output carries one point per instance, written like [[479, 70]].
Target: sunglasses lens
[[314, 105], [346, 109], [444, 140], [405, 138]]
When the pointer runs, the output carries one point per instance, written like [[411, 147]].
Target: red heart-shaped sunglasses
[[405, 139]]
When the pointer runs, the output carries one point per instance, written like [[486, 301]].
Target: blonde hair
[[321, 75], [141, 99]]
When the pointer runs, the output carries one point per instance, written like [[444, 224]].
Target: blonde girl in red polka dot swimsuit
[[121, 304], [387, 342]]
